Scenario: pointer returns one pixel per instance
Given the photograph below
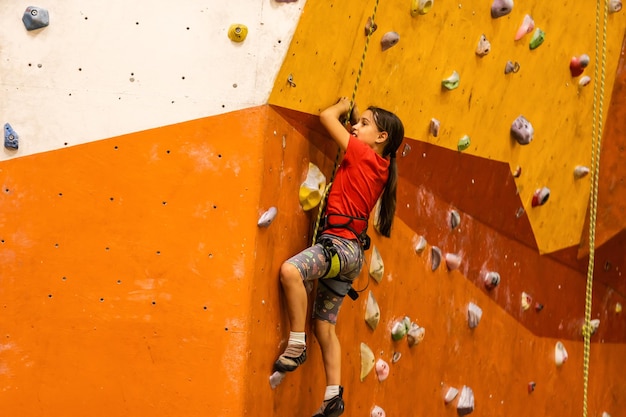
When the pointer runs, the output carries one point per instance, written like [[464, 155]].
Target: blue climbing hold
[[11, 139], [35, 18]]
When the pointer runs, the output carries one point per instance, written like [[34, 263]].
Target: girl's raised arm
[[330, 120]]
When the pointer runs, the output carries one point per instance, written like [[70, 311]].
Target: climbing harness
[[596, 141]]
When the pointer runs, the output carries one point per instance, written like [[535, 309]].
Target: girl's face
[[367, 131]]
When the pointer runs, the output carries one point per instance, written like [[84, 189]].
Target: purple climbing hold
[[501, 8], [434, 127], [511, 66], [11, 139], [522, 131], [35, 18], [389, 39], [267, 217]]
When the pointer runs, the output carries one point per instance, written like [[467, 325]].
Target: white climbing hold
[[491, 280], [276, 378], [483, 46], [455, 219], [435, 257], [453, 261], [367, 360], [420, 245], [372, 311], [527, 301], [377, 267], [377, 412], [434, 127], [450, 395], [268, 217], [580, 171], [560, 354], [474, 314], [415, 334], [465, 405]]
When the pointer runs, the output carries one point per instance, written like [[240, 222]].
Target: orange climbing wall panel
[[135, 281]]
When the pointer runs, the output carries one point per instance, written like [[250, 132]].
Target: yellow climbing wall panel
[[326, 51]]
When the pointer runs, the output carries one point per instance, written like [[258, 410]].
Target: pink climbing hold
[[453, 261], [527, 26], [382, 370]]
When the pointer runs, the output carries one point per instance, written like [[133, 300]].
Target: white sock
[[297, 338], [331, 391]]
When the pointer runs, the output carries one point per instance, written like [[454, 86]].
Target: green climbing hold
[[451, 82], [537, 38], [464, 143]]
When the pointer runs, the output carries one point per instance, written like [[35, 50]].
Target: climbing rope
[[354, 90], [596, 140]]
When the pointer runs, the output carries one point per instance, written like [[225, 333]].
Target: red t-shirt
[[358, 183]]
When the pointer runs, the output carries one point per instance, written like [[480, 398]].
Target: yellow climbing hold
[[367, 360], [312, 189], [237, 32]]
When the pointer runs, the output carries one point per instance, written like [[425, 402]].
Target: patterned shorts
[[312, 265]]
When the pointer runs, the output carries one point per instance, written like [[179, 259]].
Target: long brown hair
[[388, 122]]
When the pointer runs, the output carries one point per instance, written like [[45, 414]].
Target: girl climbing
[[367, 173]]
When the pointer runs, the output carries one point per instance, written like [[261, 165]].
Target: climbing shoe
[[332, 407], [292, 357]]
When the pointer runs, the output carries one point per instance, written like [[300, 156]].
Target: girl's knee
[[289, 274], [324, 330]]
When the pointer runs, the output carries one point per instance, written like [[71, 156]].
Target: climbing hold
[[531, 386], [474, 314], [540, 197], [372, 311], [369, 27], [453, 261], [415, 334], [517, 172], [615, 6], [276, 378], [420, 245], [396, 357], [593, 327], [501, 8], [483, 46], [455, 219], [491, 280], [377, 267], [465, 405], [420, 7], [389, 39], [237, 32], [377, 412], [578, 64], [290, 81], [519, 212], [618, 308], [11, 138], [406, 149], [560, 354], [522, 130], [537, 39], [35, 18], [605, 414], [450, 395], [268, 217], [538, 307], [435, 257], [463, 143], [580, 171], [511, 66], [527, 300], [527, 26], [367, 360], [286, 1], [451, 82], [400, 328], [382, 369], [584, 81], [312, 189], [434, 127]]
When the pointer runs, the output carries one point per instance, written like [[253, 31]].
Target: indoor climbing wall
[[153, 160]]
